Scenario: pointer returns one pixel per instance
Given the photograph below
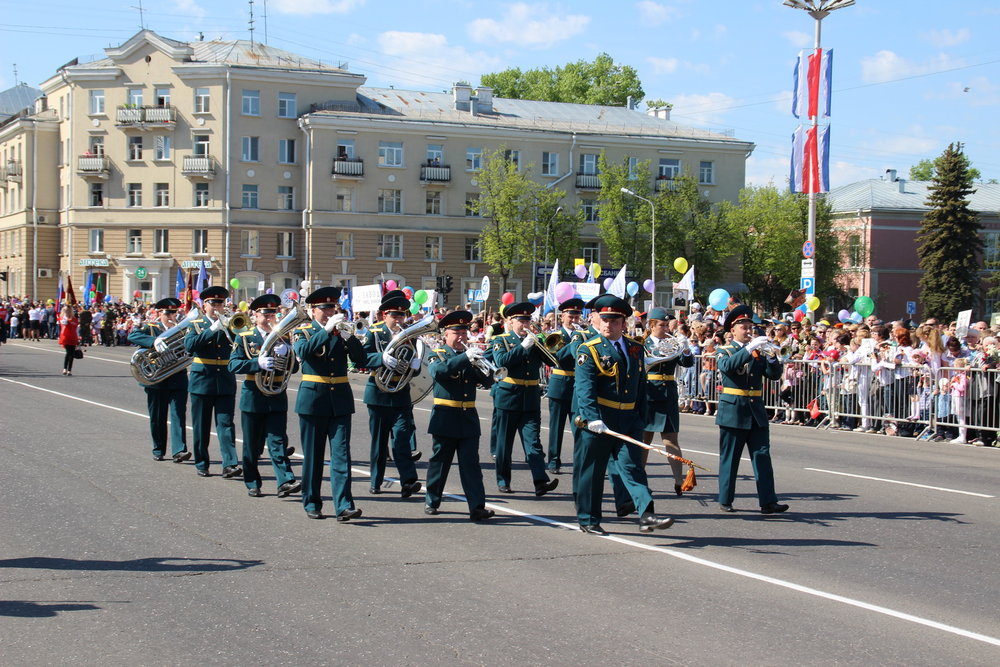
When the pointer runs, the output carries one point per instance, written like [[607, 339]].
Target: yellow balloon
[[596, 268], [244, 305], [681, 265], [812, 303]]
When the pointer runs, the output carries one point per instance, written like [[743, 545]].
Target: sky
[[908, 77]]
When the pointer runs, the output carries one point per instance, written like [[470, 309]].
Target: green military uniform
[[588, 333], [560, 389], [662, 411]]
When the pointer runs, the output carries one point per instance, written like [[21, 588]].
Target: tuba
[[666, 349], [403, 347], [275, 381], [150, 367]]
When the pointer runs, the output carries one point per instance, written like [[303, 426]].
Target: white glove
[[529, 341], [474, 353], [683, 342], [266, 363], [280, 350], [389, 361], [217, 324], [597, 426], [415, 363], [756, 342], [332, 323], [160, 345]]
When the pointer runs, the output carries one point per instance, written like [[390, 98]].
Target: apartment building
[[274, 169]]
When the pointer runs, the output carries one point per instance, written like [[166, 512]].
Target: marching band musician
[[560, 389], [264, 417], [610, 393], [741, 416], [325, 404], [454, 423], [390, 413], [169, 396], [517, 401], [211, 385]]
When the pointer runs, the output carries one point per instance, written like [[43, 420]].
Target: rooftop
[[17, 98], [901, 194]]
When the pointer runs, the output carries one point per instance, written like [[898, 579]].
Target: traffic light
[[447, 285], [440, 283], [3, 276]]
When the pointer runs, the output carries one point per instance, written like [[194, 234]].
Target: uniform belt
[[615, 404], [253, 376], [210, 362], [659, 376], [454, 404], [524, 383], [742, 392], [559, 371], [325, 379]]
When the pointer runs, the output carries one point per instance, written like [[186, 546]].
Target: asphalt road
[[888, 555]]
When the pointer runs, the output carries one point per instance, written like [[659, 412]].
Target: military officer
[[560, 389], [610, 393], [169, 396], [390, 413], [325, 404], [264, 417], [741, 416], [454, 424], [211, 385], [517, 400]]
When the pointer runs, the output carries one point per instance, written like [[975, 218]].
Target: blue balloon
[[107, 299], [632, 288], [804, 308], [536, 300], [718, 299], [856, 317]]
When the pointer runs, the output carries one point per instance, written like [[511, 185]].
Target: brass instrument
[[150, 366], [405, 346], [361, 324], [771, 350], [233, 323], [549, 345], [665, 349], [487, 367], [275, 381]]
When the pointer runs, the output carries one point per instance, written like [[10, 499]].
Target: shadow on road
[[28, 609], [134, 565]]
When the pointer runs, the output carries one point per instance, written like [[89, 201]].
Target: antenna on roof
[[16, 82], [142, 18], [265, 21], [251, 23]]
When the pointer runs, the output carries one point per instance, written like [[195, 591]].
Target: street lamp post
[[652, 227]]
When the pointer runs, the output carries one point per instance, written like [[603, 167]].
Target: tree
[[926, 168], [623, 220], [949, 239], [598, 82], [557, 230]]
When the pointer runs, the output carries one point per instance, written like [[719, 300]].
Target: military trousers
[[395, 422], [591, 464], [316, 431], [469, 472], [260, 428], [163, 404], [559, 412], [202, 407], [758, 443], [526, 424]]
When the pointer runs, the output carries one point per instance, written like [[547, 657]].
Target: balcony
[[199, 166], [97, 166], [12, 171], [146, 118], [588, 182], [665, 185], [348, 168], [435, 174]]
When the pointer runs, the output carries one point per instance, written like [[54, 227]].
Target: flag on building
[[618, 284], [810, 164], [811, 84]]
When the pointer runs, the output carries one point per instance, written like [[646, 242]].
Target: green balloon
[[864, 306], [235, 283], [420, 296], [415, 308]]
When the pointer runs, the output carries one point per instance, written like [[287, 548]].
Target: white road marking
[[896, 481], [63, 352]]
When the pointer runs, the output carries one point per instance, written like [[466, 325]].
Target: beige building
[[273, 169]]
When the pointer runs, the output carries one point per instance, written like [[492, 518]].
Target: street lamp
[[652, 227]]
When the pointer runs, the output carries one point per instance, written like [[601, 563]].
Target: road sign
[[911, 307], [808, 284], [140, 272], [809, 268], [808, 250], [485, 287]]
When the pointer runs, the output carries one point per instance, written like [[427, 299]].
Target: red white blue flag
[[810, 159], [811, 84]]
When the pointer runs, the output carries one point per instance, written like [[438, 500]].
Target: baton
[[579, 422]]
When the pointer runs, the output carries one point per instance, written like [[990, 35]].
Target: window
[[390, 201], [590, 210], [135, 97], [199, 242], [669, 169], [588, 164], [473, 159], [134, 195], [96, 101], [134, 242], [161, 194], [287, 107], [390, 153], [855, 252], [344, 200], [201, 195], [550, 164], [200, 145], [251, 149], [633, 167], [473, 251], [201, 98], [251, 103], [161, 241], [344, 245], [706, 173], [513, 156], [162, 97], [345, 149], [97, 194], [433, 203], [134, 148], [286, 198], [286, 151], [390, 246], [96, 240], [435, 155], [250, 243], [433, 250], [472, 204], [161, 148], [591, 252], [249, 196], [286, 244], [991, 250], [97, 146]]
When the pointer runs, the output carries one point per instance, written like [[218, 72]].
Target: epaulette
[[592, 341], [246, 333]]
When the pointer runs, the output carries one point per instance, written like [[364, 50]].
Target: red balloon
[[507, 298], [798, 315], [137, 294], [408, 292]]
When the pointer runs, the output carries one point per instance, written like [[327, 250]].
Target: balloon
[[137, 294], [243, 304], [564, 291], [812, 303], [507, 298], [595, 269], [269, 291], [390, 284], [107, 299], [632, 288], [803, 309], [235, 283], [718, 299], [408, 291], [580, 271], [195, 294], [857, 317], [536, 298], [649, 285], [607, 282], [420, 296], [844, 315], [414, 308], [407, 288], [681, 265], [864, 306], [798, 315]]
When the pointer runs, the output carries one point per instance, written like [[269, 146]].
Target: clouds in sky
[[707, 109], [428, 61], [943, 39], [528, 25], [657, 13], [890, 66], [310, 7]]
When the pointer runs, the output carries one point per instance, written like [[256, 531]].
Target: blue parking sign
[[808, 285]]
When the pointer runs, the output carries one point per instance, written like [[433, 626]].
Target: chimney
[[902, 184], [890, 175], [461, 93], [663, 113], [483, 102]]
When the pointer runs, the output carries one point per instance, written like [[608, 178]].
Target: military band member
[[167, 398], [517, 399], [741, 416], [264, 417], [325, 404], [610, 393], [560, 389], [211, 385], [390, 413], [454, 423]]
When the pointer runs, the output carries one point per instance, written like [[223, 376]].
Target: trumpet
[[233, 323], [771, 350], [487, 367], [549, 345]]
